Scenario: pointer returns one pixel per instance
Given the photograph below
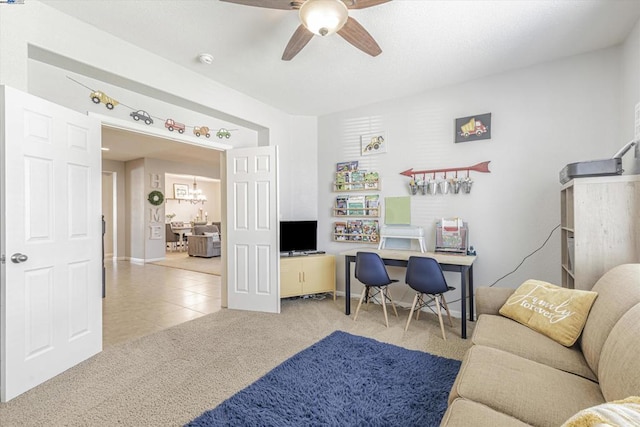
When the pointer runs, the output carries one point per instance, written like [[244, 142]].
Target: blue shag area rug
[[343, 380]]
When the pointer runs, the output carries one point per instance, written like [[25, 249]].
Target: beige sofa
[[514, 376]]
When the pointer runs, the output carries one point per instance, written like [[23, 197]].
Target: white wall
[[136, 190], [117, 169], [186, 211], [543, 117], [108, 192]]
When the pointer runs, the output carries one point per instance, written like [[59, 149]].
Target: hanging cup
[[432, 186], [455, 185], [413, 189], [466, 185], [443, 186]]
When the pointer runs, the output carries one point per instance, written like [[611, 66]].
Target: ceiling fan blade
[[299, 40], [355, 34], [362, 4], [270, 4]]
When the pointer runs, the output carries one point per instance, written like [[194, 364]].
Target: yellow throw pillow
[[556, 312], [624, 412]]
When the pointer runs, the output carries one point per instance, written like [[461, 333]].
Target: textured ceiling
[[425, 44]]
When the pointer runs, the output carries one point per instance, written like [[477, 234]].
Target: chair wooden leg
[[364, 291], [440, 316], [446, 307], [413, 305], [383, 292], [392, 304]]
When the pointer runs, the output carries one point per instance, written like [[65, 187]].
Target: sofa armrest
[[490, 300]]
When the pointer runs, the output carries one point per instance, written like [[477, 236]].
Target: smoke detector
[[205, 58]]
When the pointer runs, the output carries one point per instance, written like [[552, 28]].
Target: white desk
[[398, 258]]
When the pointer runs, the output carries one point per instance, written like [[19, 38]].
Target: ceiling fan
[[322, 18]]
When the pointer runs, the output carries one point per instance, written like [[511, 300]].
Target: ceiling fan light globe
[[323, 17]]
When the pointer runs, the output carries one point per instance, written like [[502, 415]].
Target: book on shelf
[[340, 230], [370, 230], [346, 166], [356, 180], [372, 203], [342, 180], [354, 228], [341, 205], [355, 205]]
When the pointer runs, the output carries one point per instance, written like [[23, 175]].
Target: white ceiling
[[426, 44], [125, 146]]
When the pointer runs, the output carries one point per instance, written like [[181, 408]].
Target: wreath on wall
[[156, 198]]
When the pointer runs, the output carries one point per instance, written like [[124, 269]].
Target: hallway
[[142, 299]]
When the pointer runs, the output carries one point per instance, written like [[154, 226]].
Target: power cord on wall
[[521, 262]]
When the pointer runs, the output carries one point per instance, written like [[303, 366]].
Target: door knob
[[18, 258]]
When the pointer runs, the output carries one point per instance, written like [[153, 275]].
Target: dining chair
[[424, 275], [171, 238], [372, 273]]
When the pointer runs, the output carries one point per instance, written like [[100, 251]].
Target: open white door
[[253, 256], [50, 227]]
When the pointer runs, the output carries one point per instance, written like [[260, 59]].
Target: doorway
[[142, 298]]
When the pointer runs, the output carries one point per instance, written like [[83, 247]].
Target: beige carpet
[[172, 376], [193, 263]]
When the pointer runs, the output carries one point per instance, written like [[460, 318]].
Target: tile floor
[[141, 299]]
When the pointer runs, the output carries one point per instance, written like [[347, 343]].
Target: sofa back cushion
[[618, 290], [619, 361], [201, 229]]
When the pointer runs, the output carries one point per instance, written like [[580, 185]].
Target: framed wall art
[[473, 128], [180, 191], [373, 143]]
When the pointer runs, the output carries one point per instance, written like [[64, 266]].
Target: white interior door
[[51, 305], [253, 257]]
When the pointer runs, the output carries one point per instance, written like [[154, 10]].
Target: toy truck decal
[[201, 130], [98, 97], [473, 126], [171, 125]]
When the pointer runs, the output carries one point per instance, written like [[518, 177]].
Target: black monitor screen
[[298, 236]]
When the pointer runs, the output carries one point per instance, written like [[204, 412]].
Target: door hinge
[[2, 259]]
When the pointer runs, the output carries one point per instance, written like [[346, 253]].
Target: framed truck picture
[[473, 128]]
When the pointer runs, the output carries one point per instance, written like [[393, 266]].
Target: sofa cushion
[[529, 391], [619, 368], [557, 312], [490, 300], [461, 411], [618, 291], [505, 334], [624, 412]]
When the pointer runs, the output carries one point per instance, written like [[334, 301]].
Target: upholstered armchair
[[205, 241]]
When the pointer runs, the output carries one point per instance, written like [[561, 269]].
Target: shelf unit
[[600, 227], [359, 224]]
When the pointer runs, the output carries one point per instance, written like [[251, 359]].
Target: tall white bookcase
[[600, 222]]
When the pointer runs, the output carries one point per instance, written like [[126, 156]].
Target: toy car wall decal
[[223, 133], [201, 130], [473, 128], [142, 115], [171, 125], [98, 97]]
